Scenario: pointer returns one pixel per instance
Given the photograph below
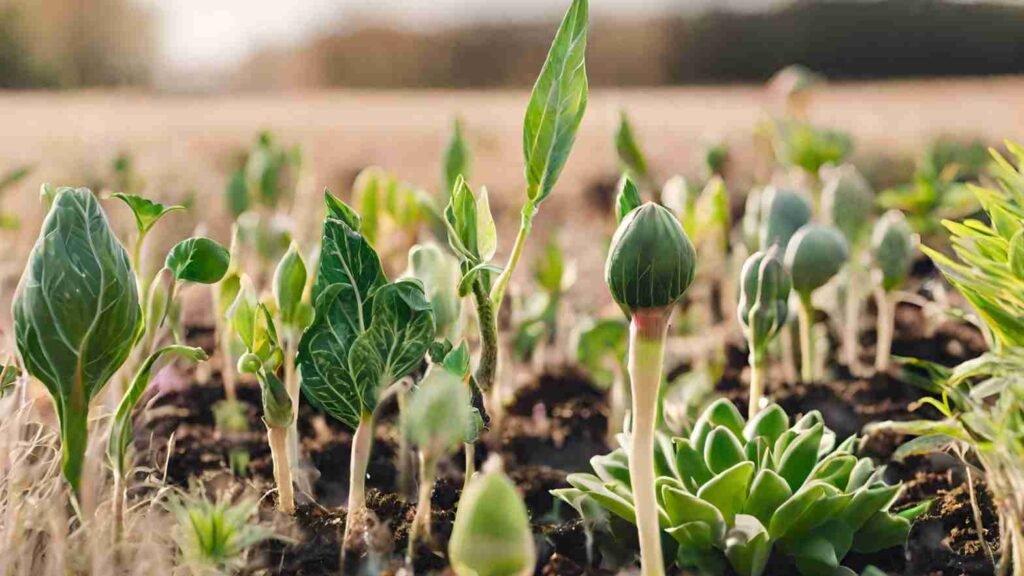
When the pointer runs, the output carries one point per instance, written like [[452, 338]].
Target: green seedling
[[254, 325], [716, 159], [392, 212], [367, 335], [809, 148], [650, 265], [491, 535], [553, 115], [892, 246], [815, 254], [762, 311], [734, 490], [456, 160], [215, 537], [438, 271], [538, 328], [224, 294], [631, 159], [601, 348], [434, 419], [848, 203], [147, 213], [293, 314]]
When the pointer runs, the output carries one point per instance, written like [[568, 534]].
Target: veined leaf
[[198, 260], [347, 258], [556, 105], [76, 313], [147, 213]]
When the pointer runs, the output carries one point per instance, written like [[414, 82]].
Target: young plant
[[392, 212], [214, 537], [147, 213], [366, 335], [762, 311], [8, 180], [456, 161], [772, 216], [809, 147], [848, 203], [650, 265], [553, 115], [224, 294], [815, 254], [435, 419], [601, 348], [293, 315], [76, 314], [733, 490], [537, 330], [892, 245], [491, 535]]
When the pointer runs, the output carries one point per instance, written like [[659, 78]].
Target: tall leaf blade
[[557, 104]]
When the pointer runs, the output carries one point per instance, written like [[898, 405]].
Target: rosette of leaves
[[814, 256], [214, 537], [537, 330], [366, 335], [733, 490], [76, 314], [892, 247], [762, 311]]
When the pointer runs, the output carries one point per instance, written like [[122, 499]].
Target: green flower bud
[[764, 297], [277, 405], [651, 262], [249, 363], [816, 253], [892, 244], [289, 284], [848, 201], [491, 535], [783, 212]]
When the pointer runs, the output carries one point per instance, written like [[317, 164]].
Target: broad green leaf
[[881, 531], [923, 445], [690, 463], [289, 285], [683, 508], [340, 211], [596, 489], [630, 156], [627, 199], [769, 423], [399, 334], [866, 502], [728, 490], [601, 344], [800, 456], [835, 469], [120, 438], [722, 450], [721, 412], [456, 158], [198, 260], [76, 313], [347, 258], [556, 106], [147, 213]]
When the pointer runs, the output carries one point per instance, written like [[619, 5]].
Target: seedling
[[631, 158], [848, 203], [456, 159], [601, 348], [254, 325], [733, 490], [892, 244], [435, 419], [224, 294], [553, 115], [366, 335], [147, 213], [491, 535], [392, 212], [215, 537], [762, 311], [815, 254], [537, 330], [809, 148], [773, 215], [294, 313], [650, 265]]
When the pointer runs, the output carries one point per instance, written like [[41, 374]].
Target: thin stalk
[[405, 474], [757, 379], [851, 314], [886, 312], [979, 526], [421, 521], [470, 465], [806, 317], [278, 438], [617, 405], [646, 358], [525, 225], [227, 371], [119, 497], [291, 384], [362, 441]]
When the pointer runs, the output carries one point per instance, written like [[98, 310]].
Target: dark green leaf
[[627, 199], [198, 260], [728, 490]]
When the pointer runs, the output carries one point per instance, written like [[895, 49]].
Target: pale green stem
[[119, 497], [291, 384], [646, 358], [362, 441], [525, 225], [886, 312], [852, 317], [757, 380], [487, 320], [617, 404], [405, 474], [421, 521], [806, 316], [278, 438], [470, 466]]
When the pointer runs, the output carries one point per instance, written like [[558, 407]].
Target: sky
[[198, 35]]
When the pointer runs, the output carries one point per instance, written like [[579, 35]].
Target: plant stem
[[617, 405], [806, 317], [646, 357], [362, 441], [852, 317], [525, 225], [119, 496], [278, 438], [421, 521], [487, 318], [405, 453], [886, 312], [757, 378], [470, 466], [291, 385]]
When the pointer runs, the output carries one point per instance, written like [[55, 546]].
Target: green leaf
[[76, 313], [630, 156], [769, 423], [596, 489], [881, 531], [683, 508], [601, 345], [691, 463], [747, 546], [796, 507], [120, 439], [767, 493], [612, 467], [722, 450], [835, 469], [147, 213], [340, 211], [728, 490], [814, 556], [627, 199], [471, 230], [198, 260], [923, 445], [456, 158], [721, 412], [13, 176], [438, 271], [9, 374], [465, 286], [556, 106], [347, 258], [435, 415], [800, 456], [289, 285]]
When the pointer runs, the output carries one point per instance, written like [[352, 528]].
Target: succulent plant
[[763, 309], [733, 490], [815, 255]]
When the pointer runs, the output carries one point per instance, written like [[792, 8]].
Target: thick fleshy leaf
[[722, 450], [147, 213], [198, 260], [557, 103], [881, 531], [769, 423], [767, 493], [794, 508], [690, 463], [683, 508], [593, 487], [721, 412], [612, 467], [728, 490], [835, 469], [814, 556], [800, 456], [747, 546], [76, 313]]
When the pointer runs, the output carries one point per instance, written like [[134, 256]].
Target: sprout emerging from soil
[[815, 254], [214, 537], [650, 265], [294, 313], [491, 535], [892, 244], [762, 311]]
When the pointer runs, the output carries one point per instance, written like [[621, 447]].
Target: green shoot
[[762, 311], [892, 245], [456, 159], [650, 265], [293, 315], [631, 158], [147, 213], [537, 330], [214, 537]]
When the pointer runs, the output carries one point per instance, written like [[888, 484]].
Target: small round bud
[[815, 254], [783, 212], [892, 244], [848, 201], [651, 262], [764, 297], [249, 363]]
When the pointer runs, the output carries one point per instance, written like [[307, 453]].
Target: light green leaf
[[627, 199], [747, 546], [767, 493], [728, 490], [198, 260], [722, 450], [289, 285], [456, 158], [630, 156], [881, 531], [147, 213]]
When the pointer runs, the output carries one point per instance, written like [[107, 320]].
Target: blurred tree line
[[74, 43]]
